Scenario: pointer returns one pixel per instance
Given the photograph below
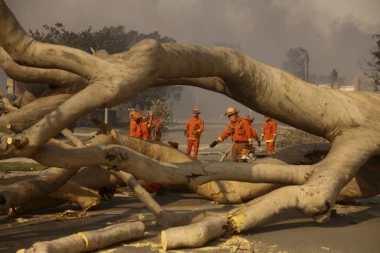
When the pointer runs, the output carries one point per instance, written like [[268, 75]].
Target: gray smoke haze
[[336, 33]]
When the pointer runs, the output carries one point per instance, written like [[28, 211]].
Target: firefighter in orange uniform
[[142, 129], [240, 132], [132, 125], [193, 131], [254, 135], [154, 126], [269, 133], [142, 132]]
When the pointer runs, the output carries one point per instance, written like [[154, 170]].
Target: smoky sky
[[336, 33]]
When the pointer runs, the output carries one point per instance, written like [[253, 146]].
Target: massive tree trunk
[[81, 83]]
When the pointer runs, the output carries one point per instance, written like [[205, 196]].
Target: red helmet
[[137, 115], [249, 118], [231, 111], [196, 111]]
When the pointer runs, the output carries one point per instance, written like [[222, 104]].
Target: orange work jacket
[[240, 131], [254, 134], [194, 128], [269, 130], [132, 128], [142, 131]]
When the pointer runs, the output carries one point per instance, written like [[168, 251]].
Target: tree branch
[[56, 77], [24, 50], [186, 173]]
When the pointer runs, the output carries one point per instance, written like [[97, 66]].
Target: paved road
[[355, 231]]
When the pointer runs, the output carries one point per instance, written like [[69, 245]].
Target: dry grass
[[289, 137]]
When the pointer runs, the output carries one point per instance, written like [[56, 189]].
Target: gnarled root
[[318, 195], [81, 195], [48, 181]]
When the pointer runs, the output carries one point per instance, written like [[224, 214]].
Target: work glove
[[274, 137], [259, 143], [185, 133], [213, 144], [262, 137]]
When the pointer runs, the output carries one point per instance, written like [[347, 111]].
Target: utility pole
[[307, 66], [106, 115], [196, 97]]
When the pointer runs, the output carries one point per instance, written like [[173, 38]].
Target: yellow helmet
[[231, 111], [250, 118]]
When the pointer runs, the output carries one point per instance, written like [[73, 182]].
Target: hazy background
[[336, 33]]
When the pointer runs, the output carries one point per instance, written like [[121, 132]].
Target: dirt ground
[[355, 228]]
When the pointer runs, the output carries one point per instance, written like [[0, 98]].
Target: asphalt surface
[[354, 230]]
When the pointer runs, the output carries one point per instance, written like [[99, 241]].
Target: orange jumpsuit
[[269, 131], [155, 128], [194, 128], [241, 136], [132, 128], [254, 134], [142, 131]]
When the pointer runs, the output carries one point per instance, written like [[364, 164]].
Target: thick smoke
[[337, 34]]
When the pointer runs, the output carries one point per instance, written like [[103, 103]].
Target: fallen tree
[[310, 179]]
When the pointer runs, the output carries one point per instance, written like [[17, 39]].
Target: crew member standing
[[143, 133], [142, 129], [254, 135], [132, 125], [193, 130], [240, 132], [269, 133]]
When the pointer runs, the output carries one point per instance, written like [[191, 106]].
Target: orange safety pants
[[236, 150], [270, 147], [193, 144]]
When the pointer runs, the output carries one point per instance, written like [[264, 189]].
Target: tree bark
[[90, 240], [349, 120], [194, 235]]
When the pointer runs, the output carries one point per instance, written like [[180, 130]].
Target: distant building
[[360, 83]]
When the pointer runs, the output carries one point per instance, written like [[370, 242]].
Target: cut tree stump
[[90, 240]]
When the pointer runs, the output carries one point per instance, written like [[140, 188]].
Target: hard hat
[[231, 111], [137, 115], [249, 118], [196, 111], [266, 116]]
